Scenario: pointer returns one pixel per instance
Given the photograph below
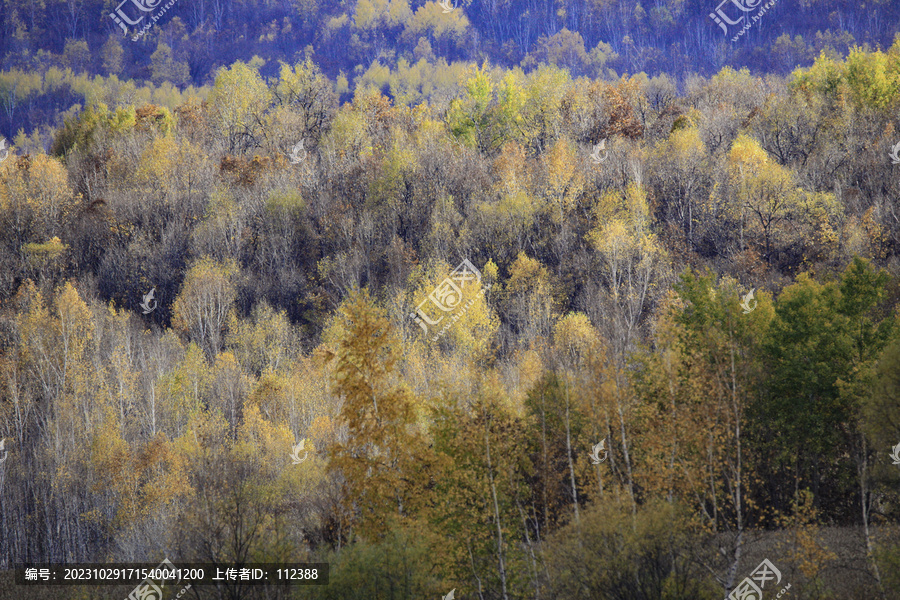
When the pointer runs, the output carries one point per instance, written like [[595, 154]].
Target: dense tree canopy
[[450, 295]]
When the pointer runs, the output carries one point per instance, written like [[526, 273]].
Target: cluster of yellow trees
[[614, 313]]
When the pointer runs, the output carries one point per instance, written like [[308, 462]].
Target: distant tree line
[[193, 39]]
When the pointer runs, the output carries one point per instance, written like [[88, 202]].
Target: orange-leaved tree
[[376, 452]]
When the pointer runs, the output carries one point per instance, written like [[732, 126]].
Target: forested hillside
[[675, 36], [57, 53], [550, 332]]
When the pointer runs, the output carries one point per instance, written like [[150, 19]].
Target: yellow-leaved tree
[[169, 176], [237, 104], [680, 170], [182, 393], [305, 105], [564, 181], [379, 448], [201, 308], [635, 266], [634, 263], [773, 211], [451, 309], [527, 301], [48, 194], [36, 193], [508, 217]]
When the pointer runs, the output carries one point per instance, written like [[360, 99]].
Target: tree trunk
[[502, 564], [862, 468], [569, 455]]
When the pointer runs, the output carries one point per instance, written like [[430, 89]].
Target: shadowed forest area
[[536, 330]]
